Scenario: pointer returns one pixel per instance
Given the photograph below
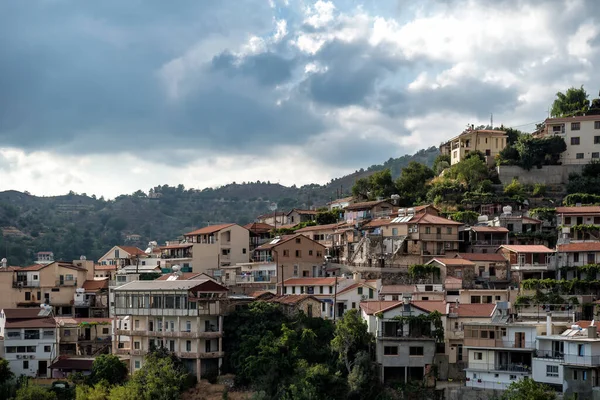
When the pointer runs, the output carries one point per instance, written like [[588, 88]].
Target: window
[[428, 229], [596, 155], [295, 269], [597, 126], [394, 231], [575, 140], [143, 262], [68, 277], [136, 345], [475, 299], [297, 240], [39, 296], [310, 252], [575, 126], [552, 371], [136, 324], [513, 377], [319, 254], [188, 345], [488, 152], [188, 326], [390, 350], [137, 364], [360, 290], [105, 331], [416, 351], [244, 250], [584, 375], [353, 305], [286, 253], [320, 289], [67, 332], [557, 128], [298, 253], [591, 258], [449, 231], [575, 374], [567, 220], [579, 156], [394, 297], [25, 364], [293, 289], [580, 351], [27, 296]]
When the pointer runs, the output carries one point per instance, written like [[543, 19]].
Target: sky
[[108, 97]]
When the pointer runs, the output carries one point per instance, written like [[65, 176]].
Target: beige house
[[84, 336], [122, 256], [489, 142], [581, 134], [571, 218], [488, 266], [209, 249], [333, 236], [296, 216], [293, 304], [53, 284], [278, 218]]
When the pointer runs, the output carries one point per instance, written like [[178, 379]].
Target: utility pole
[[282, 285], [334, 298]]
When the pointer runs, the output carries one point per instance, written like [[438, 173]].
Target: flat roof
[[161, 285]]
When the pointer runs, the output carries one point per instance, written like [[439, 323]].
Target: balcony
[[531, 267], [492, 242], [183, 256], [138, 352], [25, 284], [518, 368], [214, 354], [62, 282], [590, 361], [499, 343], [255, 279], [123, 352]]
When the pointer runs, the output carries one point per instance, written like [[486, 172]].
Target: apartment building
[[84, 337], [484, 239], [259, 234], [489, 142], [54, 283], [358, 212], [570, 361], [288, 256], [405, 349], [208, 249], [30, 341], [499, 354], [425, 292], [529, 261], [91, 300], [184, 316], [576, 223], [572, 255], [581, 134]]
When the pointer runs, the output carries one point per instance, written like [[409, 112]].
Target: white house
[[30, 341], [581, 134]]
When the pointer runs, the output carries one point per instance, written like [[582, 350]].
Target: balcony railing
[[173, 334], [531, 267], [188, 354], [28, 284], [572, 359], [520, 368], [253, 279], [123, 352], [493, 242], [175, 256], [499, 343], [63, 282]]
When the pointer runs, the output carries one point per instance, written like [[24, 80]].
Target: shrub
[[539, 189]]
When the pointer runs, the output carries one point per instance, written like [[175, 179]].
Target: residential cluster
[[442, 298]]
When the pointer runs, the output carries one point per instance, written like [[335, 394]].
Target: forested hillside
[[76, 224]]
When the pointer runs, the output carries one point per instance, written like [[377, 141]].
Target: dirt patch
[[207, 391]]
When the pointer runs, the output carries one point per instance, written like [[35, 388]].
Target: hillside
[[73, 225]]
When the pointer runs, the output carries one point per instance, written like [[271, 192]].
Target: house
[[484, 239], [293, 304], [529, 261], [572, 255], [367, 210], [349, 298], [283, 257], [522, 229], [332, 236], [570, 361], [91, 300], [185, 317], [405, 344], [122, 256], [208, 249], [499, 354], [397, 292], [63, 367], [490, 268], [54, 283], [84, 337], [276, 218], [488, 141], [456, 267], [577, 223], [30, 337], [259, 234], [411, 238], [324, 289], [340, 203], [104, 271], [297, 216], [580, 133], [44, 257]]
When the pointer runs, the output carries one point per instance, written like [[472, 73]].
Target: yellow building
[[487, 141]]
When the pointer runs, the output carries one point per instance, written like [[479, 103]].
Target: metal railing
[[64, 282], [18, 284], [473, 342], [511, 367], [549, 354]]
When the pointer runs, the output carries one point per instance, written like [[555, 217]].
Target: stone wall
[[547, 175]]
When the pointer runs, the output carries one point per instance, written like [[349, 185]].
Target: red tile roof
[[577, 247], [430, 305], [397, 289], [46, 322], [99, 267], [34, 267], [77, 321], [292, 299], [208, 229], [311, 281], [473, 310], [376, 223], [132, 250], [482, 257], [586, 324], [375, 306], [322, 227], [529, 220], [578, 210], [282, 239], [365, 205], [489, 229], [452, 261], [21, 313], [354, 286], [259, 227], [95, 285], [433, 219], [262, 293], [303, 212], [534, 248]]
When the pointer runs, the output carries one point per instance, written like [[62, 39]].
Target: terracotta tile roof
[[282, 239], [132, 250], [430, 305], [453, 261], [77, 321], [365, 205], [529, 220], [375, 306], [22, 313], [578, 210], [354, 286], [322, 227], [208, 229], [586, 324], [34, 267], [261, 293], [292, 299], [259, 227], [81, 364], [397, 289], [473, 310], [311, 281], [185, 276], [99, 267], [303, 212], [432, 219], [68, 265], [95, 285], [342, 200], [489, 229], [576, 247], [287, 226], [376, 223], [46, 322], [534, 248], [9, 269], [482, 257]]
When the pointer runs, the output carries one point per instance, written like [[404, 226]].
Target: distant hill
[[73, 225]]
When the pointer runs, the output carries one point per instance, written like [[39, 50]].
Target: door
[[42, 368], [62, 280], [88, 333], [340, 309], [207, 346], [519, 339]]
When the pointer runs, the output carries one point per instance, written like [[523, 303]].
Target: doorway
[[42, 368]]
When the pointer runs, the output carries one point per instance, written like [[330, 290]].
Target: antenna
[[492, 121]]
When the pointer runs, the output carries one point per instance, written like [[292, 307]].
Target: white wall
[[40, 354], [539, 373]]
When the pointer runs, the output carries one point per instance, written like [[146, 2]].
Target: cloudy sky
[[111, 96]]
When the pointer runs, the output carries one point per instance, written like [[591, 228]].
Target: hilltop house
[[580, 133], [489, 142]]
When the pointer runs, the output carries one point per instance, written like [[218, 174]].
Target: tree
[[412, 185], [327, 217], [362, 380], [514, 188], [108, 368], [572, 102], [34, 392], [361, 188], [441, 163], [99, 391], [350, 337], [5, 373], [512, 135], [528, 389], [471, 171]]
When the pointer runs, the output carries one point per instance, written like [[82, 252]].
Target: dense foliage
[[528, 389], [585, 187]]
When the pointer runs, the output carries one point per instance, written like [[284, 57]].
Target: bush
[[583, 198], [514, 188], [539, 189]]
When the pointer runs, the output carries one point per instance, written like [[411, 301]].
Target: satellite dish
[[273, 206]]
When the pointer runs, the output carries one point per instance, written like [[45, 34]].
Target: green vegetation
[[421, 271], [528, 389], [421, 324], [574, 102], [584, 187], [529, 152], [108, 368]]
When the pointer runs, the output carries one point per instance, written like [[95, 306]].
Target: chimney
[[357, 277], [548, 324], [592, 332]]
